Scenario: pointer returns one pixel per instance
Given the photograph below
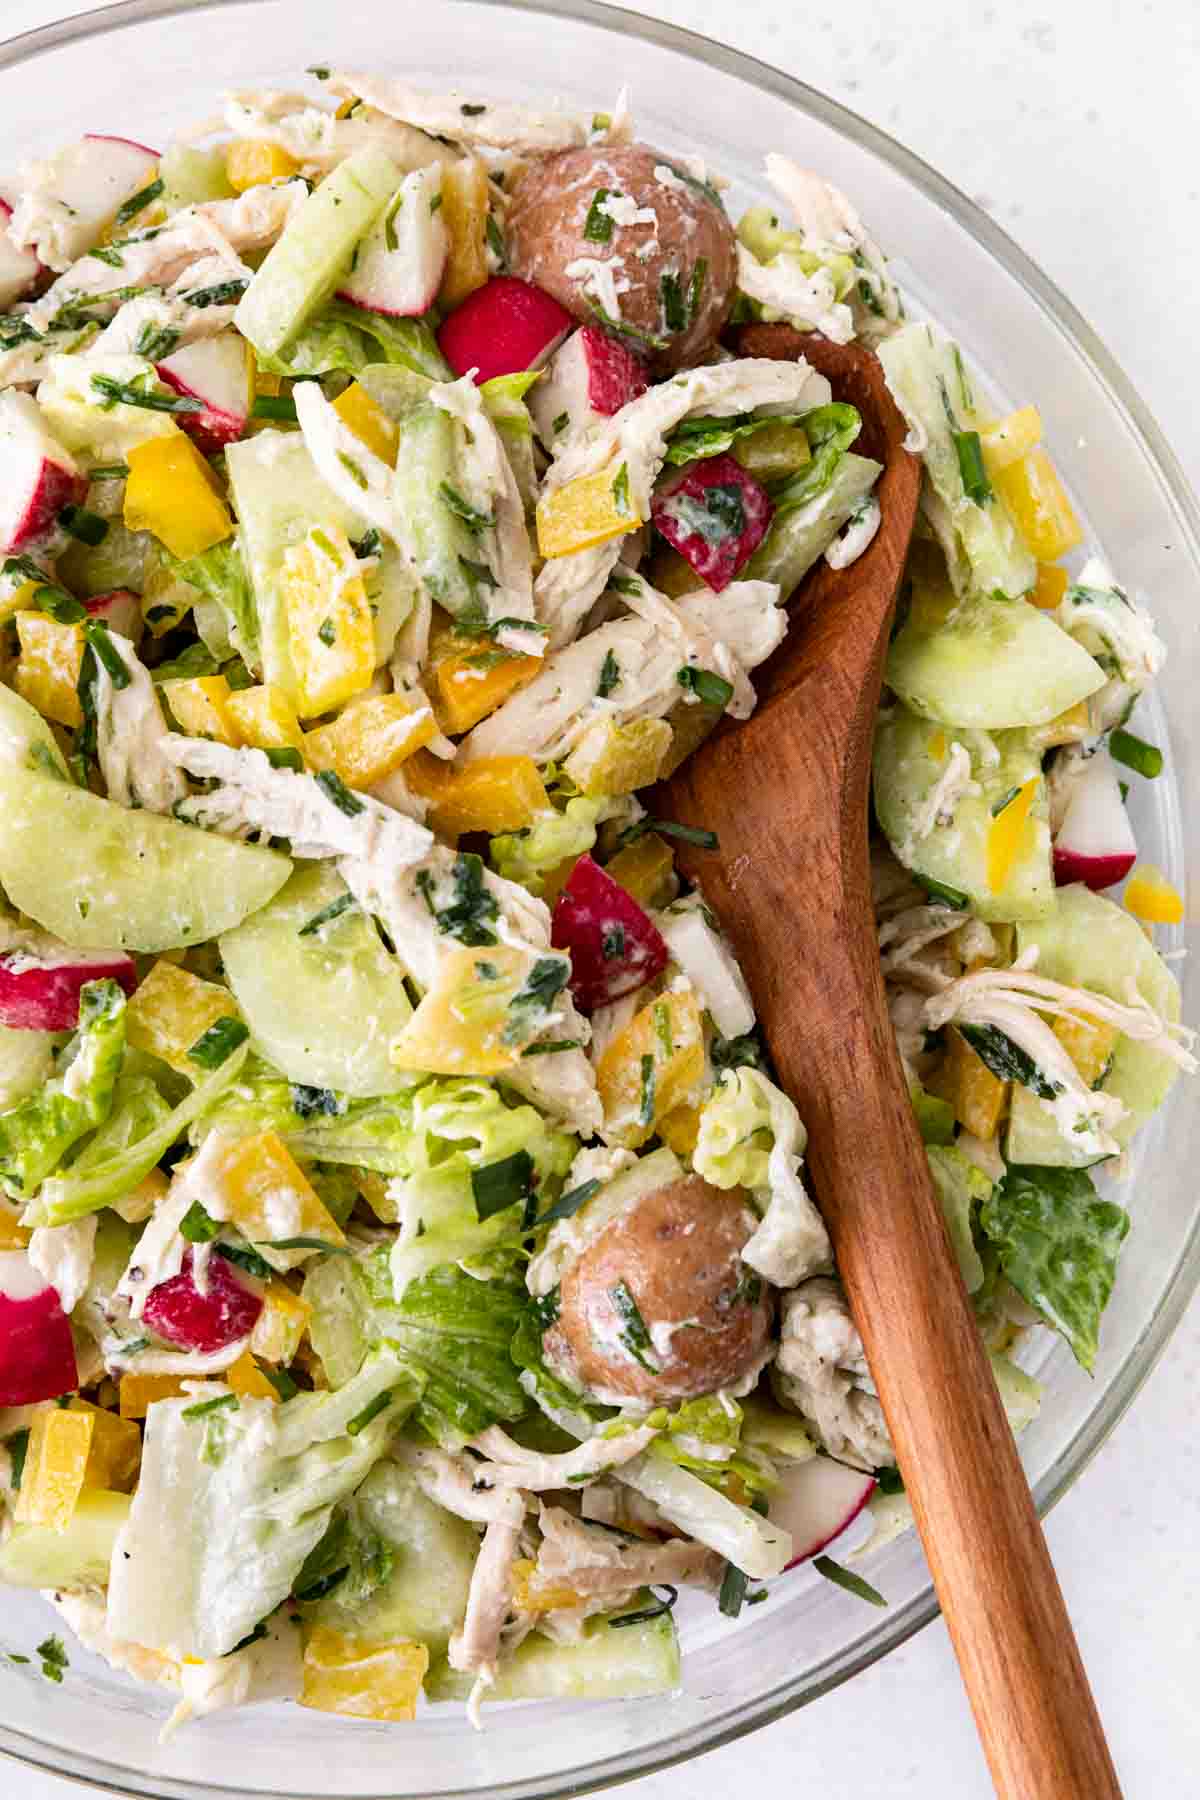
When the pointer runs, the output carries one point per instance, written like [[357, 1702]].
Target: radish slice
[[120, 610], [216, 370], [1095, 842], [815, 1501], [503, 327], [43, 995], [37, 476], [177, 1311], [37, 1356], [614, 946], [77, 193], [398, 265], [716, 515], [589, 378], [19, 269]]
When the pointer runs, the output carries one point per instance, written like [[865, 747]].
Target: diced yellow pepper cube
[[200, 707], [356, 409], [680, 1129], [652, 1067], [16, 592], [280, 1325], [459, 1028], [55, 1461], [250, 161], [464, 210], [587, 511], [172, 492], [330, 629], [170, 1012], [115, 1454], [1010, 438], [770, 454], [47, 672], [977, 1096], [265, 1193], [136, 1206], [1070, 727], [1089, 1043], [1050, 587], [1151, 897], [616, 759], [473, 683], [530, 1596], [1038, 502], [1009, 833], [245, 1377], [556, 879], [646, 869], [12, 1235], [361, 1679], [494, 793], [139, 1392], [370, 738], [265, 717]]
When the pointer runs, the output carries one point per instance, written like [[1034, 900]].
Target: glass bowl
[[144, 68]]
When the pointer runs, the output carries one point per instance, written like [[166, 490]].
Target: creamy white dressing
[[807, 301]]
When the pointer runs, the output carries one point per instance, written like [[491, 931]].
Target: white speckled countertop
[[1072, 124]]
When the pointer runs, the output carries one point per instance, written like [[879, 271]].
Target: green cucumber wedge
[[37, 1556], [608, 1662]]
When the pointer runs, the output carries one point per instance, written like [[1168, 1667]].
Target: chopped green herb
[[155, 342], [96, 633], [54, 1658], [222, 1403], [327, 632], [674, 306], [138, 202], [598, 227], [107, 253], [532, 1002], [343, 904], [1136, 754], [109, 472], [1006, 1059], [732, 1597], [889, 1481], [567, 1204], [969, 450], [715, 516], [560, 424], [500, 1185], [59, 605], [320, 70], [250, 1260], [612, 944], [138, 392], [633, 1335], [372, 1410], [662, 1025], [1007, 799], [219, 1043], [714, 690], [313, 1102], [610, 676], [552, 1047], [620, 491], [696, 286], [222, 293], [648, 340], [470, 914], [353, 469], [471, 112], [687, 834], [495, 240], [303, 1243], [474, 520], [283, 756], [390, 239], [644, 1614], [649, 1083], [845, 1578], [197, 1226], [939, 893], [274, 406], [87, 527], [335, 789], [45, 759], [282, 1382], [17, 1445], [545, 1309]]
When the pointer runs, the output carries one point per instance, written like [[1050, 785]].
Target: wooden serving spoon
[[787, 794]]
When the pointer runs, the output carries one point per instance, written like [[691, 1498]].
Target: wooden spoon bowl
[[787, 794]]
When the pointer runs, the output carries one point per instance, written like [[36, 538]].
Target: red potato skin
[[545, 237], [678, 1251], [503, 328]]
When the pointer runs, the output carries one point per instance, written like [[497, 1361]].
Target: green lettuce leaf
[[830, 430], [344, 338], [562, 1404], [697, 438], [37, 1134], [961, 1186], [1058, 1243], [229, 623], [528, 856]]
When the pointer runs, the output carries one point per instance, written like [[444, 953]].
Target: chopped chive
[[674, 306], [96, 633], [274, 406], [474, 520], [353, 469], [620, 491], [662, 1025], [612, 944], [471, 112], [500, 1185], [649, 1082], [203, 1407], [567, 1204], [283, 756], [1136, 754], [610, 676], [846, 1578], [732, 1597], [969, 450], [128, 393], [108, 253], [939, 893], [18, 1446], [87, 527], [644, 1614], [560, 424], [109, 472], [281, 1381], [197, 1226], [59, 605], [1007, 799], [553, 1047], [327, 914], [244, 1258], [687, 834], [335, 789], [370, 1411], [714, 690], [889, 1481], [129, 209], [598, 227], [495, 240], [218, 1043], [223, 293], [155, 342], [303, 1243], [696, 286], [633, 1335], [327, 633]]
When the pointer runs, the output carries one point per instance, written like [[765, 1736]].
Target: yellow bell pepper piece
[[473, 683], [12, 1235], [371, 738], [280, 1325], [616, 759], [646, 869], [115, 1453], [1010, 438], [47, 672], [459, 1027], [977, 1096], [249, 162], [495, 793], [245, 1377], [1008, 833], [464, 210], [356, 409], [170, 1012], [361, 1679], [652, 1067], [55, 1462], [1089, 1043], [680, 1129], [200, 707], [139, 1392], [587, 511], [1050, 587], [530, 1596], [1038, 502], [264, 1192], [264, 717], [330, 629], [172, 492], [1151, 897], [16, 592]]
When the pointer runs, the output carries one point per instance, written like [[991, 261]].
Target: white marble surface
[[1073, 124]]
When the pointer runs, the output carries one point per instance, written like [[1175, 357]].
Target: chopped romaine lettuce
[[960, 1185], [226, 618], [554, 837], [36, 1135], [346, 338]]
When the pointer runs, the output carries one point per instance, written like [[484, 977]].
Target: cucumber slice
[[1033, 1135], [608, 1663], [26, 1060], [325, 1006], [78, 1556], [433, 1556], [909, 762], [191, 176], [445, 550], [102, 877], [26, 741], [795, 541], [302, 269], [118, 561], [989, 664], [1091, 942]]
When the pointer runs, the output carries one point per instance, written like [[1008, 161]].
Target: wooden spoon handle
[[990, 1564]]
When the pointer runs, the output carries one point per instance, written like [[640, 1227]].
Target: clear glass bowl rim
[[786, 1696]]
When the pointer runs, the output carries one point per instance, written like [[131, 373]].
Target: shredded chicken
[[821, 1373], [318, 140], [831, 227], [64, 1254], [536, 1473], [455, 1483], [464, 118], [476, 1648], [595, 1562], [492, 488], [131, 735], [807, 301]]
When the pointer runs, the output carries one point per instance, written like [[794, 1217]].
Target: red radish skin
[[177, 1311], [614, 946], [44, 996], [733, 509], [615, 376], [815, 1501], [120, 610], [19, 269], [37, 1356], [100, 137], [502, 328], [37, 476], [1095, 842], [215, 371], [398, 267], [589, 377]]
